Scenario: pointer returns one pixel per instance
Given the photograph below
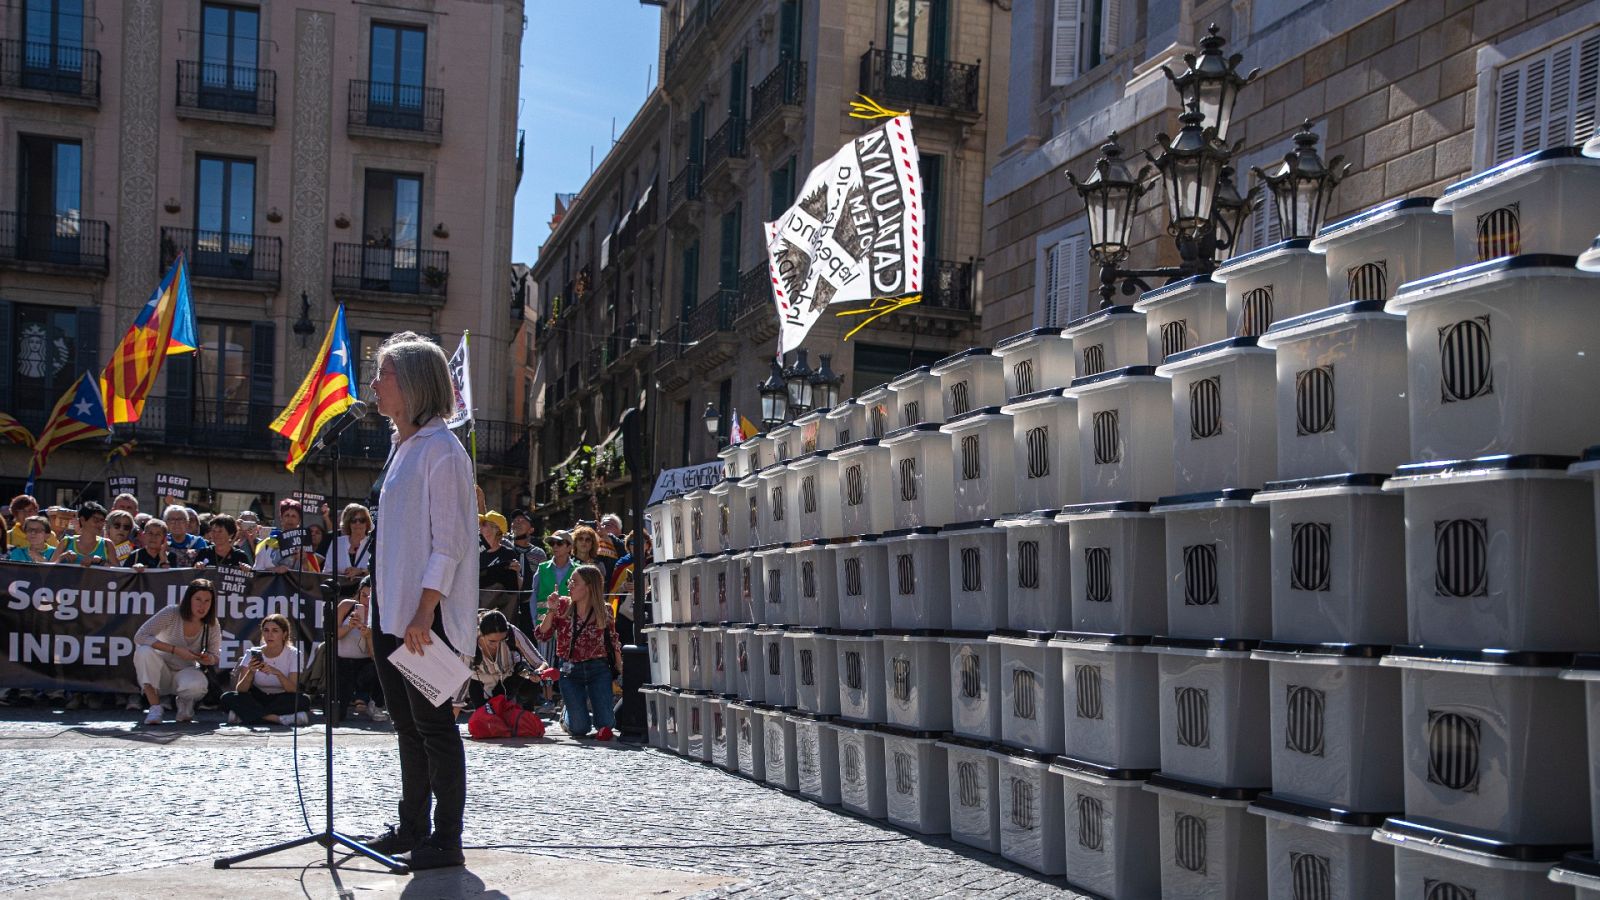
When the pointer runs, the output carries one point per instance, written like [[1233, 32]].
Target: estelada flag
[[329, 389], [15, 431], [164, 326], [79, 414]]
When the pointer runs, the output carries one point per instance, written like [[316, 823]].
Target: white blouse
[[428, 536], [339, 556]]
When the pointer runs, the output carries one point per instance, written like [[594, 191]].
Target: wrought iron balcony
[[522, 151], [391, 270], [724, 144], [397, 108], [947, 285], [221, 88], [784, 86], [65, 242], [755, 292], [686, 42], [684, 187], [919, 80], [218, 254], [712, 315], [72, 72]]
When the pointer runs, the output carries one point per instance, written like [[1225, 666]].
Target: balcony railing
[[784, 86], [947, 285], [522, 151], [684, 186], [66, 241], [219, 254], [712, 315], [391, 270], [725, 143], [56, 68], [398, 107], [904, 78], [219, 87], [755, 292], [683, 44]]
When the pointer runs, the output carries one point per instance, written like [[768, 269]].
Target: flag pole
[[472, 417]]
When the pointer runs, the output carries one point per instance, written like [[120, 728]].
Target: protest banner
[[122, 484], [672, 482], [310, 501], [173, 486]]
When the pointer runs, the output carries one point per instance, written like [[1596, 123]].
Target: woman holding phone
[[266, 681]]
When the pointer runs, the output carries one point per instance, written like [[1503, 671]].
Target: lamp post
[[825, 384], [712, 419], [798, 379], [774, 398], [1301, 185], [303, 326]]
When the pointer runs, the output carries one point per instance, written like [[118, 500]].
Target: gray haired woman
[[425, 588]]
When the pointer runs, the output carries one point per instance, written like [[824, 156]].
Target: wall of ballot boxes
[[1278, 582]]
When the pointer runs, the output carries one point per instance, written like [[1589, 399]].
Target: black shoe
[[430, 855], [393, 842]]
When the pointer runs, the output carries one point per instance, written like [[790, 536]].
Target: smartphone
[[255, 656]]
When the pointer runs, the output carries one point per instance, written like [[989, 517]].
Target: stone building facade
[[301, 154]]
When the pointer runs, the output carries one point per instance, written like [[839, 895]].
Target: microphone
[[355, 413]]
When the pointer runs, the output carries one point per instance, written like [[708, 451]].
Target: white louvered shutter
[[1110, 27], [1049, 314], [1064, 58], [1074, 284], [1549, 99]]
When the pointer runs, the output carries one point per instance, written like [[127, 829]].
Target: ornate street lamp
[[1190, 165], [712, 420], [1110, 195], [1230, 208], [774, 398], [303, 327], [825, 384], [798, 378], [1301, 185], [1212, 81]]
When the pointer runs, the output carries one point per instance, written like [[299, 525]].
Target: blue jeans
[[586, 696]]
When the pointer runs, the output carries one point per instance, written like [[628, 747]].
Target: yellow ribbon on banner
[[868, 108], [874, 312]]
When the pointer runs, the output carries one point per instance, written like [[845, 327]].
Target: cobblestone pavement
[[90, 794]]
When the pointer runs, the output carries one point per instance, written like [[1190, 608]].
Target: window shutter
[[1064, 59], [1549, 99], [6, 343], [88, 340], [1110, 28], [1264, 228], [263, 350], [1074, 286], [180, 398], [1050, 317]]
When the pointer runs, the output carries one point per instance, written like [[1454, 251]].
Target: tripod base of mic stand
[[327, 839]]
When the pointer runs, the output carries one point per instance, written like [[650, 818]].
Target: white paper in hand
[[437, 672]]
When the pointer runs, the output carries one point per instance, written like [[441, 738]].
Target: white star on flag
[[82, 407]]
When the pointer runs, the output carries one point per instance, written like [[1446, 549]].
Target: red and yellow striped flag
[[79, 414], [15, 431], [164, 326], [329, 389]]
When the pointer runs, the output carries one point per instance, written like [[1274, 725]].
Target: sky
[[585, 63]]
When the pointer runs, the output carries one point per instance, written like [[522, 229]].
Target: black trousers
[[433, 761], [253, 706], [358, 676], [527, 694]]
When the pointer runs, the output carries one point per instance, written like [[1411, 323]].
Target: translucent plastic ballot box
[[1336, 726], [1031, 821], [748, 746], [880, 413], [1038, 584], [974, 685], [811, 432], [724, 735], [746, 590], [916, 399], [699, 656], [983, 458], [916, 789], [969, 380], [708, 726], [916, 679], [1493, 350], [1211, 846], [777, 664], [844, 423], [755, 503], [1544, 202], [691, 726], [922, 492], [699, 510], [676, 520], [733, 524], [861, 575], [1334, 570], [1118, 570], [1124, 434], [777, 741], [816, 585], [1224, 415], [1219, 570], [816, 749], [918, 577], [861, 769], [1371, 252], [775, 506], [1585, 670], [671, 734], [659, 640], [1044, 436], [974, 779], [660, 515], [813, 481], [655, 723], [976, 554], [1110, 685], [733, 456], [778, 606], [1432, 862], [784, 440], [1276, 282], [865, 486], [748, 660], [662, 581], [680, 589], [862, 692], [1494, 745], [1215, 712], [1030, 694], [1113, 839], [1108, 339], [816, 672], [1188, 313], [1499, 553], [1323, 852], [1338, 409], [1581, 873], [1035, 360]]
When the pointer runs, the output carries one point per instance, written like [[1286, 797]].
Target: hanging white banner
[[855, 233], [461, 380]]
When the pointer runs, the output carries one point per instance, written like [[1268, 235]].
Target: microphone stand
[[328, 837]]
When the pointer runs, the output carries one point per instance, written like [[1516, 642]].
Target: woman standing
[[351, 555], [266, 683], [426, 588], [36, 531], [154, 551], [585, 639], [172, 645], [586, 550]]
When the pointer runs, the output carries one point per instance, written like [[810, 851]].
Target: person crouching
[[266, 680], [171, 646]]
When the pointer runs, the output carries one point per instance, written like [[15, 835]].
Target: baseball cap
[[560, 537], [494, 518]]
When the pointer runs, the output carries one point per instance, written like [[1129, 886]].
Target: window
[[224, 214], [396, 76], [46, 347], [392, 227], [222, 373], [1084, 33], [931, 167], [367, 364], [728, 263], [781, 188], [917, 27], [52, 55], [1062, 294], [50, 196], [228, 43], [690, 274], [1547, 99]]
